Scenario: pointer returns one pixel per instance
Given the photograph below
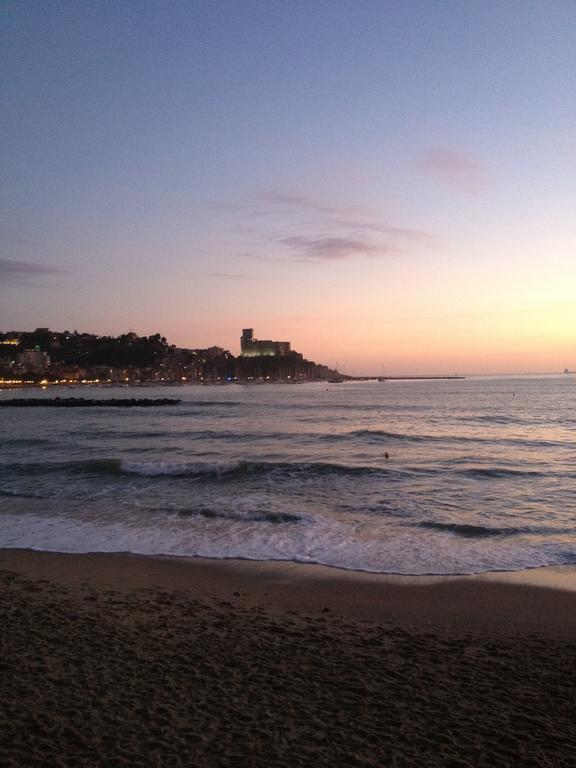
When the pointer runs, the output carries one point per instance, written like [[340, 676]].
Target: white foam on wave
[[323, 541], [179, 469]]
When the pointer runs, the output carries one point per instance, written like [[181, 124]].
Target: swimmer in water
[[386, 456]]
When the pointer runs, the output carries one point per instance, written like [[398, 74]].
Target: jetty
[[419, 378]]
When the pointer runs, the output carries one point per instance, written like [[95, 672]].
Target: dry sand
[[118, 660]]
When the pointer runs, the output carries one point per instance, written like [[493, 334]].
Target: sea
[[401, 477]]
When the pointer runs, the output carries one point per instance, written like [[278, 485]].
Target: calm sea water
[[481, 474]]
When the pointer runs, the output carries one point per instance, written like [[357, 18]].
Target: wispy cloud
[[14, 272], [456, 169], [328, 248], [306, 229], [353, 217]]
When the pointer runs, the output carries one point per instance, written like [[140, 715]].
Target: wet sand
[[120, 660]]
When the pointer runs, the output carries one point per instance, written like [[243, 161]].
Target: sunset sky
[[390, 185]]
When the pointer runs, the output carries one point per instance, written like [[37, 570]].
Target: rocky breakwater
[[83, 402]]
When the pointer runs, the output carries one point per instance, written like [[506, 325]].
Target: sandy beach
[[120, 660]]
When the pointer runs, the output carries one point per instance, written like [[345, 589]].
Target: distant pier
[[403, 378], [419, 378]]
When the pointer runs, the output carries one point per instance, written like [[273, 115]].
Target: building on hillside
[[33, 360], [252, 347]]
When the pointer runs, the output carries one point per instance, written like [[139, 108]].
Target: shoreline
[[540, 600]]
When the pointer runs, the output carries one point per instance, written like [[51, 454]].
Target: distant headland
[[45, 357]]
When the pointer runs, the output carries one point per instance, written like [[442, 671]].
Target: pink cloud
[[312, 230]]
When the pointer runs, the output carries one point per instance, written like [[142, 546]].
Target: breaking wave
[[240, 468], [380, 435], [238, 515], [195, 469], [480, 531]]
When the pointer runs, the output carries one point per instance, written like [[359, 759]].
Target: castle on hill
[[251, 347]]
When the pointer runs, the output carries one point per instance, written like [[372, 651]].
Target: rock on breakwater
[[83, 402]]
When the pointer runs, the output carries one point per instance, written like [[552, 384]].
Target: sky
[[388, 185]]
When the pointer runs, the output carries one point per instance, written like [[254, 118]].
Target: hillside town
[[43, 357]]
